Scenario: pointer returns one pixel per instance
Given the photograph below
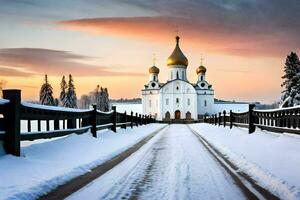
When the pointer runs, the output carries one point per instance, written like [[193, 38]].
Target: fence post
[[56, 124], [230, 119], [204, 120], [131, 119], [251, 118], [114, 119], [94, 121], [219, 119], [12, 122], [136, 119], [140, 119], [124, 120], [71, 123], [224, 119]]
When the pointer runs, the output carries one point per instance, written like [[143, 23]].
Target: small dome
[[154, 70], [177, 57], [201, 69]]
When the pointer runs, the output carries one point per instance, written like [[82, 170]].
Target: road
[[172, 165]]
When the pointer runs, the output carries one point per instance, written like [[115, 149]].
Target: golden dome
[[177, 57], [154, 70], [201, 69]]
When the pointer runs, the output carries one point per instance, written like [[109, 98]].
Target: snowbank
[[46, 165], [272, 160]]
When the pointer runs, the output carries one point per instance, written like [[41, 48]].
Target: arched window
[[167, 101], [149, 103], [188, 102], [171, 76], [201, 77], [177, 100], [205, 103], [177, 75], [182, 77]]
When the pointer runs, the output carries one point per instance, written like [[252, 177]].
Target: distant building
[[178, 98]]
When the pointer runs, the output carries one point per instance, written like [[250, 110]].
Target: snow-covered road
[[173, 165]]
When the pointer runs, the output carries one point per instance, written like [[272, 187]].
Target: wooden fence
[[51, 121], [274, 120]]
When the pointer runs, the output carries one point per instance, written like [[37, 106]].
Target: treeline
[[98, 97], [67, 96], [125, 100]]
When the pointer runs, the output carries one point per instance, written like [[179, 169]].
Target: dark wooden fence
[[274, 120], [51, 121]]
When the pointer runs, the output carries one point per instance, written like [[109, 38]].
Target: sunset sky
[[243, 42]]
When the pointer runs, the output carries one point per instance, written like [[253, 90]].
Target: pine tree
[[46, 93], [291, 80], [63, 90], [71, 99], [106, 100]]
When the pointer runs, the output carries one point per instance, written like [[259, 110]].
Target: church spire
[[177, 58]]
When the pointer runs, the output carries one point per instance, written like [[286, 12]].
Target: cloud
[[244, 27], [35, 61]]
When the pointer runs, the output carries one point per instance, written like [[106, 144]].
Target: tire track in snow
[[174, 166]]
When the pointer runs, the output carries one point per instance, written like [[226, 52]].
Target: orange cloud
[[198, 33], [34, 61]]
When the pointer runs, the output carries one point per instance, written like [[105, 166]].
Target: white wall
[[184, 92]]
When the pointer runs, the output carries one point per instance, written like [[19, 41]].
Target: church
[[177, 98]]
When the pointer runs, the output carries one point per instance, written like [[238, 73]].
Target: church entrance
[[177, 114], [167, 115], [188, 115]]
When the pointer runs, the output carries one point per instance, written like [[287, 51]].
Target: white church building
[[177, 98]]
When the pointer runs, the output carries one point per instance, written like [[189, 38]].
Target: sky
[[243, 43]]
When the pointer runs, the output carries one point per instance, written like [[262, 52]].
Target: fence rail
[[275, 120], [57, 121]]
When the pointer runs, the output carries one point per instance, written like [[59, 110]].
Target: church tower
[[177, 63]]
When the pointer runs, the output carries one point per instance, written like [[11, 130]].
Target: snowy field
[[128, 107], [271, 159], [44, 166]]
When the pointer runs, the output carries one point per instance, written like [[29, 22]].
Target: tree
[[2, 85], [46, 93], [63, 90], [106, 100], [85, 101], [71, 99], [291, 83]]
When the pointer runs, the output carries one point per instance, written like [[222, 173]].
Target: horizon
[[244, 44]]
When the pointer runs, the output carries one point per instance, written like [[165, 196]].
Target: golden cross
[[177, 30], [154, 59], [201, 59]]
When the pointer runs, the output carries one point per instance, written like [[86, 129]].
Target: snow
[[46, 165], [272, 160], [235, 107], [3, 101], [55, 108], [172, 165]]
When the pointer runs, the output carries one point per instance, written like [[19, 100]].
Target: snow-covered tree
[[106, 100], [71, 99], [85, 101], [291, 83], [2, 85], [100, 98], [46, 93], [63, 91]]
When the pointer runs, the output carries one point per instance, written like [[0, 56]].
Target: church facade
[[177, 98]]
